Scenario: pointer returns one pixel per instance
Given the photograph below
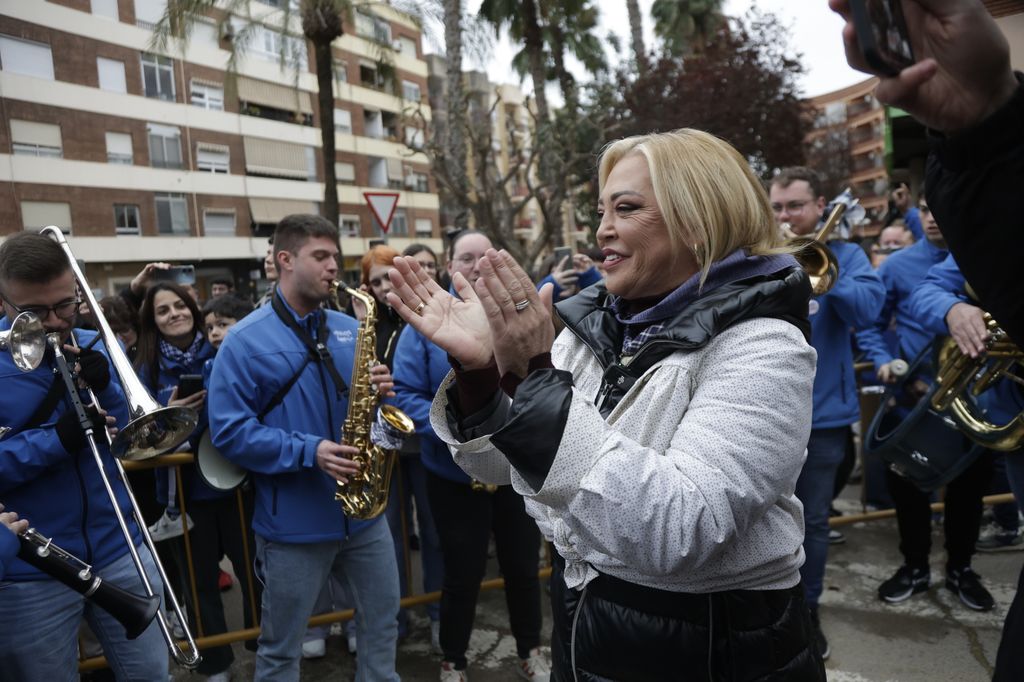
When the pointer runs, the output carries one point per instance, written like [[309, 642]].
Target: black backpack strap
[[46, 407], [317, 351]]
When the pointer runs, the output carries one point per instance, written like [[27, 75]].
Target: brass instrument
[[815, 257], [365, 495], [26, 341], [961, 379], [152, 429]]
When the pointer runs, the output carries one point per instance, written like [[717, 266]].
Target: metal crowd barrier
[[204, 641]]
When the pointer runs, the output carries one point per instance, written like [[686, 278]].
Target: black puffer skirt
[[616, 631]]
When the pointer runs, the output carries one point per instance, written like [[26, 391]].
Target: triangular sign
[[383, 205]]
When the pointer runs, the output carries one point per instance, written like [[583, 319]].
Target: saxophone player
[[278, 399]]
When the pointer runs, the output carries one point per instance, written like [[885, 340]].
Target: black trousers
[[1010, 659], [960, 520], [216, 533], [465, 520]]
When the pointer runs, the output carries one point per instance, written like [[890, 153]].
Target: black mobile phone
[[177, 274], [882, 34], [189, 384], [563, 252]]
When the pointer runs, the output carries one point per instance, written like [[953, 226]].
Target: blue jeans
[[410, 477], [814, 488], [293, 575], [40, 618]]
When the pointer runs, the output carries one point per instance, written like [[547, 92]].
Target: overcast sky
[[814, 28]]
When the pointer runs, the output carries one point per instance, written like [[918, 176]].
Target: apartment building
[[143, 156]]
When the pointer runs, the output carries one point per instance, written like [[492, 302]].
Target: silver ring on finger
[[522, 305]]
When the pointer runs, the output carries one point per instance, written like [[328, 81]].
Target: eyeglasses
[[790, 206], [65, 310]]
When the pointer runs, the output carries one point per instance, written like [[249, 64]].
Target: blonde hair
[[709, 198]]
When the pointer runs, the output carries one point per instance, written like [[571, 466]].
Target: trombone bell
[[153, 432], [26, 341]]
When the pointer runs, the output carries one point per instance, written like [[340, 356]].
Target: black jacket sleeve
[[974, 180]]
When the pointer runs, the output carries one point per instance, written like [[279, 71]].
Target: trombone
[[151, 430]]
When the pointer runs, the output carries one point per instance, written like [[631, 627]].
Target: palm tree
[[636, 30], [454, 132], [686, 26]]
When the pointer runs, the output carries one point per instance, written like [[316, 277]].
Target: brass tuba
[[961, 379], [366, 493]]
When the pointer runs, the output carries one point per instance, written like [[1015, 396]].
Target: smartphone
[[189, 384], [563, 252], [882, 34], [178, 274]]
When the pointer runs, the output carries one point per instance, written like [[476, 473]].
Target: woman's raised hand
[[519, 316], [459, 327]]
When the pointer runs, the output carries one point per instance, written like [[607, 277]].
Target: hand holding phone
[[189, 385], [563, 258], [177, 274], [882, 34]]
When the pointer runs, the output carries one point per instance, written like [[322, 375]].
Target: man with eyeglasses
[[48, 474], [853, 302]]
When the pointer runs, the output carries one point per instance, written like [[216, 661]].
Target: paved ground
[[930, 638]]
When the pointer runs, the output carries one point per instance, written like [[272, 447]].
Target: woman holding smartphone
[[170, 357]]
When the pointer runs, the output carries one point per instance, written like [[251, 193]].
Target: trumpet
[[26, 341], [814, 256], [152, 429]]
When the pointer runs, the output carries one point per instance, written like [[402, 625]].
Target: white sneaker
[[435, 638], [220, 677], [350, 641], [166, 527], [450, 674], [314, 648], [536, 667]]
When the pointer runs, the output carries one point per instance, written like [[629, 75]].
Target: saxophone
[[365, 495]]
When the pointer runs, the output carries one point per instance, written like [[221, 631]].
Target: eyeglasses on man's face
[[65, 310], [790, 207]]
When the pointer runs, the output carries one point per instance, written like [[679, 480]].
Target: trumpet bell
[[153, 433], [818, 262], [26, 341]]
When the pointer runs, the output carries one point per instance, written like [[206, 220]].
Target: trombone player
[[853, 302], [48, 474]]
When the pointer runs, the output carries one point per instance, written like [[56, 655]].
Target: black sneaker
[[819, 637], [904, 584], [967, 585]]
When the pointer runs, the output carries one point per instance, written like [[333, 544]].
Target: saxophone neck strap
[[317, 352]]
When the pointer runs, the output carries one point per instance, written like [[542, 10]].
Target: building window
[[126, 219], [410, 91], [350, 225], [413, 137], [343, 121], [424, 227], [219, 222], [104, 8], [30, 138], [417, 182], [399, 226], [171, 213], [39, 214], [158, 76], [407, 46], [207, 96], [149, 12], [111, 72], [26, 57], [270, 44], [345, 173], [213, 158], [164, 146], [119, 148], [340, 72]]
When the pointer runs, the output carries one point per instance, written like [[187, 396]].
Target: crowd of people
[[575, 412]]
